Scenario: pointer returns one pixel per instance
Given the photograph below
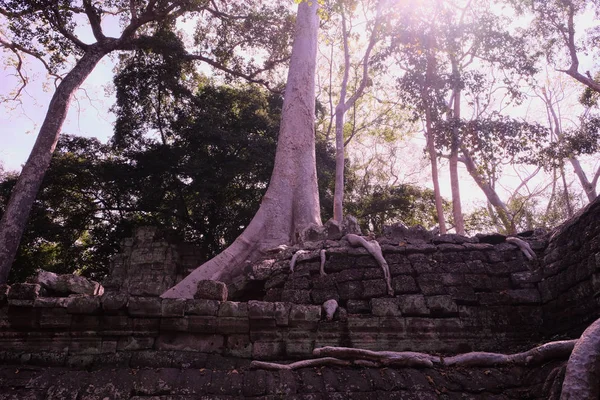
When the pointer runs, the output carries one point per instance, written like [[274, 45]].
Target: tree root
[[375, 250], [582, 378], [523, 246], [407, 359], [323, 254], [316, 362]]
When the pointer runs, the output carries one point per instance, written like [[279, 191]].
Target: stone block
[[202, 307], [135, 343], [319, 296], [282, 313], [268, 350], [211, 290], [324, 282], [374, 288], [233, 309], [359, 323], [55, 318], [525, 278], [430, 284], [404, 284], [4, 289], [385, 307], [296, 296], [25, 318], [145, 306], [463, 295], [83, 304], [145, 324], [50, 302], [412, 304], [403, 268], [115, 323], [351, 290], [173, 307], [175, 324], [202, 324], [238, 346], [298, 283], [359, 306], [85, 345], [85, 322], [64, 285], [304, 316], [299, 347], [276, 281], [190, 342], [261, 310], [273, 294], [441, 305], [227, 325], [524, 296], [24, 291], [114, 302]]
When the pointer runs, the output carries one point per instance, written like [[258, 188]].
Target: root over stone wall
[[452, 295]]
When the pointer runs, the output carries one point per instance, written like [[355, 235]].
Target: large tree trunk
[[291, 202], [14, 219]]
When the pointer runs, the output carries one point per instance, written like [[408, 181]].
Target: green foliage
[[379, 205], [204, 182]]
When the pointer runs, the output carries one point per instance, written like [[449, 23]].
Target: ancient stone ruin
[[324, 326]]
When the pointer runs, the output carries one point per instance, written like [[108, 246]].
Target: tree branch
[[94, 20]]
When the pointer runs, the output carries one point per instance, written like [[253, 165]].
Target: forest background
[[477, 91]]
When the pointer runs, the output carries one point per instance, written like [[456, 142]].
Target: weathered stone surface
[[261, 310], [211, 290], [385, 307], [304, 316], [24, 291], [202, 307], [64, 285], [333, 229], [83, 304], [144, 306], [233, 309], [113, 302], [441, 305], [413, 305], [173, 307]]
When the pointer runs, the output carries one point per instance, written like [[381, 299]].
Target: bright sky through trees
[[90, 117]]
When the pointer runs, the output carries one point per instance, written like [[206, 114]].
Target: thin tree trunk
[[429, 135], [459, 223], [340, 110], [14, 219], [566, 193], [491, 195], [343, 106], [588, 187], [291, 202]]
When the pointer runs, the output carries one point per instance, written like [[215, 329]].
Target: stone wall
[[149, 263], [570, 277], [451, 295]]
